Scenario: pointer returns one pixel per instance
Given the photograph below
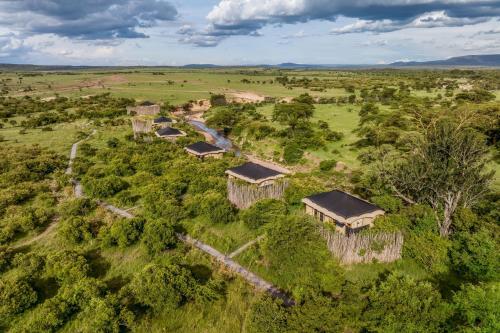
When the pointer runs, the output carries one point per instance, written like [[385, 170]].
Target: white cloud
[[427, 20], [247, 17]]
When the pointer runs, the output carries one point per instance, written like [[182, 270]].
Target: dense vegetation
[[424, 148]]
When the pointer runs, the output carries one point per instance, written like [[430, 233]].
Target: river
[[220, 140]]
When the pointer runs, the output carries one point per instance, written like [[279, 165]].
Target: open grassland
[[174, 86], [59, 138]]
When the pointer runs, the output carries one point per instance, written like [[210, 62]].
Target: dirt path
[[40, 236], [246, 246]]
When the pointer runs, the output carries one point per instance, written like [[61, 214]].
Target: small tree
[[293, 113], [445, 170]]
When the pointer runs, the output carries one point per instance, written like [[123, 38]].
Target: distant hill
[[486, 60]]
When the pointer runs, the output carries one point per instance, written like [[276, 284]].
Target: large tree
[[292, 114], [445, 169]]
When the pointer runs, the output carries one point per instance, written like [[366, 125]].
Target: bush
[[159, 235], [388, 203], [327, 165], [263, 212], [75, 230], [218, 100], [77, 207], [216, 207], [105, 187], [16, 295], [112, 143], [476, 256], [333, 136], [401, 304], [67, 266], [162, 287], [123, 232], [292, 153], [477, 308]]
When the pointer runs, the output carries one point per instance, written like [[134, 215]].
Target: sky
[[244, 32]]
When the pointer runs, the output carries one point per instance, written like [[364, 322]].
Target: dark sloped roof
[[162, 120], [168, 131], [147, 103], [202, 147], [255, 171], [342, 204]]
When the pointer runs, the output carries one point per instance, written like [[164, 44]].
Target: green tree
[[445, 170], [292, 114], [263, 212], [476, 256], [266, 316], [477, 308], [401, 304], [16, 295], [159, 235], [161, 287]]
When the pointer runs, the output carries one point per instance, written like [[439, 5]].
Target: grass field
[[59, 139], [175, 86]]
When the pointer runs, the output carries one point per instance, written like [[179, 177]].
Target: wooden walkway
[[259, 283], [246, 246]]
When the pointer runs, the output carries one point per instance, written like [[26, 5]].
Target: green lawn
[[59, 139]]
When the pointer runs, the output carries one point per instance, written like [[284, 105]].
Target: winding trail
[[259, 283]]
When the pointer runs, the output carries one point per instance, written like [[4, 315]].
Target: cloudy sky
[[232, 32]]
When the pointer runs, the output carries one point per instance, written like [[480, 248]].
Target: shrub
[[218, 100], [327, 165], [159, 235], [161, 287], [16, 295], [263, 212], [388, 203], [477, 308], [216, 206], [105, 187], [476, 256], [292, 153], [75, 230], [401, 304], [67, 266], [333, 136], [123, 232], [112, 143]]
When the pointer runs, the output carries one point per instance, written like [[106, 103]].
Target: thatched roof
[[169, 131], [147, 103], [162, 119], [254, 173], [342, 204], [202, 148]]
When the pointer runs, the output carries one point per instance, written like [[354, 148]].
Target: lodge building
[[203, 150], [251, 182], [169, 133], [348, 213]]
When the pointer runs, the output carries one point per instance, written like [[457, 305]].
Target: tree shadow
[[201, 273], [99, 266]]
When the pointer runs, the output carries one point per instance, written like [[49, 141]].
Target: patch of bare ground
[[94, 83], [201, 105], [245, 97]]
